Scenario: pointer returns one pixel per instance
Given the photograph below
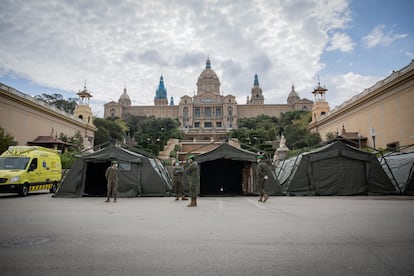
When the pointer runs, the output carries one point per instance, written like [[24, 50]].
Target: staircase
[[165, 154]]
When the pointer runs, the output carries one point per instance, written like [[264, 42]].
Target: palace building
[[208, 115]]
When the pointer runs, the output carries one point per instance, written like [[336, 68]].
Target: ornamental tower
[[257, 94], [161, 94], [208, 82], [320, 106], [293, 96], [82, 110]]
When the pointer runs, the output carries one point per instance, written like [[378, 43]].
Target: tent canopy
[[227, 170], [335, 169], [138, 175], [226, 151], [400, 169]]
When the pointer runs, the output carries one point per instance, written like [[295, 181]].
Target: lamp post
[[372, 131]]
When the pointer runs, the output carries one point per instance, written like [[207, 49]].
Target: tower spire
[[161, 93], [208, 64]]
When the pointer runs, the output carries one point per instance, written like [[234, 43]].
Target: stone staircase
[[165, 154]]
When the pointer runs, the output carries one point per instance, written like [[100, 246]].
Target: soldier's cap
[[191, 157], [114, 162], [260, 157]]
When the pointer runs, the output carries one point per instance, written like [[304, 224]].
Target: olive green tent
[[138, 175], [400, 169], [335, 169], [221, 172]]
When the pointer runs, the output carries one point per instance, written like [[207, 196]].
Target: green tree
[[298, 136], [330, 136], [151, 134], [108, 131], [59, 102], [6, 140], [77, 140]]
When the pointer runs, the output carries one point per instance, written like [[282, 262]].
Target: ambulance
[[24, 169]]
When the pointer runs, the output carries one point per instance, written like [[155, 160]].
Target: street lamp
[[372, 131]]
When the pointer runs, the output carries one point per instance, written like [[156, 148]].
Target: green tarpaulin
[[335, 169], [138, 175]]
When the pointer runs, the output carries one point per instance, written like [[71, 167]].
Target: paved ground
[[41, 235]]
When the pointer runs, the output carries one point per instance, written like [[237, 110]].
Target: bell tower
[[257, 94], [321, 106], [82, 110]]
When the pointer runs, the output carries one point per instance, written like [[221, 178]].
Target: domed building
[[207, 116]]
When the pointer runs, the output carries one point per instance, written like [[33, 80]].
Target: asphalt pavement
[[42, 235]]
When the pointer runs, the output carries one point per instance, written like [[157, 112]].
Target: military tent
[[227, 170], [138, 175], [335, 169], [400, 169]]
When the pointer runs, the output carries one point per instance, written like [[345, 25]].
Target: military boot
[[192, 203]]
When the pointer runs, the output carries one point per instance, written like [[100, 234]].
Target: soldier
[[261, 178], [178, 180], [193, 176], [111, 175]]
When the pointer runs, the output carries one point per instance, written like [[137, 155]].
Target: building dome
[[208, 82], [293, 96], [124, 100]]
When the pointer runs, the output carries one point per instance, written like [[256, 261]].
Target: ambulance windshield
[[13, 163]]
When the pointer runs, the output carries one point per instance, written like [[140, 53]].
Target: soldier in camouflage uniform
[[111, 175], [261, 173], [178, 180], [193, 176]]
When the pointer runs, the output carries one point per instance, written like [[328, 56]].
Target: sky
[[50, 46]]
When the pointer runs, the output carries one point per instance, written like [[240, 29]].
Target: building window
[[124, 166], [197, 113], [218, 124], [197, 124], [208, 125], [207, 112], [218, 112]]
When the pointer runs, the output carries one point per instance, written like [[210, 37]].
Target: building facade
[[382, 115], [28, 119], [208, 115]]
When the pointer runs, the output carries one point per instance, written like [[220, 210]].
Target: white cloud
[[379, 37], [343, 87], [409, 54], [341, 42], [115, 43]]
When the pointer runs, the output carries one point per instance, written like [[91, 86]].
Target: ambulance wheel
[[24, 191], [54, 188]]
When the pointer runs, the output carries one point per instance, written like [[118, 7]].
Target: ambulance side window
[[33, 165]]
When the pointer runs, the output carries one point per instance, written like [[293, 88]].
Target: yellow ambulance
[[29, 168]]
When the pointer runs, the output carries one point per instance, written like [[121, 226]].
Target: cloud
[[409, 54], [341, 42], [378, 37], [113, 44], [343, 87]]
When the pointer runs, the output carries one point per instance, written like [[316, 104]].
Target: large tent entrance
[[95, 181], [221, 177]]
